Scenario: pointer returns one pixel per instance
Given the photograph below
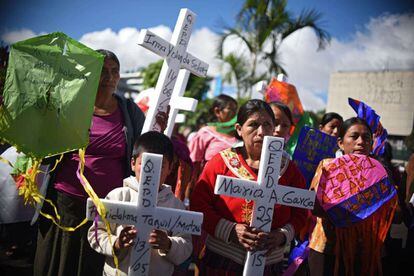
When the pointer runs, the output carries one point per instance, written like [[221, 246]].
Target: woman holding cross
[[116, 124], [227, 219]]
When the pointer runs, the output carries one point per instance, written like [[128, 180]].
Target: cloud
[[14, 36], [387, 42], [124, 43]]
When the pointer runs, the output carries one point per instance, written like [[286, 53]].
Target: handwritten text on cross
[[265, 193], [146, 215], [176, 57]]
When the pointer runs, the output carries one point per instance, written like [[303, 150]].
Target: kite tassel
[[96, 201]]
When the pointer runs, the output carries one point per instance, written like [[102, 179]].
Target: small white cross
[[176, 57], [265, 193], [146, 216]]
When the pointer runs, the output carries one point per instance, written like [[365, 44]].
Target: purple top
[[104, 159]]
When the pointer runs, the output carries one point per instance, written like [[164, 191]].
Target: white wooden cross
[[176, 57], [178, 102], [259, 89], [146, 216], [265, 193]]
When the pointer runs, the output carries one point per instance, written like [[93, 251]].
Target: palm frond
[[309, 18], [232, 32]]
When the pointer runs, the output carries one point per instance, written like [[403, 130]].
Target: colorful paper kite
[[49, 95], [285, 93]]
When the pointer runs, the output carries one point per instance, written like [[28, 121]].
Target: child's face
[[165, 169], [283, 125]]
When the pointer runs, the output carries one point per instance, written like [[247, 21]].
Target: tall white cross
[[259, 90], [146, 216], [176, 57], [265, 193], [178, 102]]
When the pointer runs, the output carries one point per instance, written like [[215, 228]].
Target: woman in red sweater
[[227, 219]]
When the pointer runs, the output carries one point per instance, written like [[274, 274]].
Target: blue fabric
[[365, 112], [362, 205], [298, 251], [312, 147]]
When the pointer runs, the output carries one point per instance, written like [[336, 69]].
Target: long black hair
[[251, 107], [110, 55], [350, 122], [285, 109], [221, 101], [327, 117]]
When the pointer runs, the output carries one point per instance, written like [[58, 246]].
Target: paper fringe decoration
[[29, 191]]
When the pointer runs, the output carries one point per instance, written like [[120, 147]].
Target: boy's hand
[[126, 238], [159, 240]]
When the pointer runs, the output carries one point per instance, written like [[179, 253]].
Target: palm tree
[[261, 23], [238, 72]]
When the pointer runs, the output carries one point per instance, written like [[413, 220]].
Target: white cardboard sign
[[146, 216], [176, 57], [265, 193]]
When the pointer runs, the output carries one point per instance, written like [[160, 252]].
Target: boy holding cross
[[166, 250]]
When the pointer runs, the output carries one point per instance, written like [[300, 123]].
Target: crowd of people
[[229, 145]]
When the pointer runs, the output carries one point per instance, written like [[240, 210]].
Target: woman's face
[[357, 139], [109, 76], [253, 131], [282, 127], [227, 113], [331, 128]]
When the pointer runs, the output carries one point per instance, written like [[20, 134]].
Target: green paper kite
[[49, 94]]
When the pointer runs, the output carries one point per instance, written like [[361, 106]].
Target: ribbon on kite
[[96, 201], [24, 173], [380, 134]]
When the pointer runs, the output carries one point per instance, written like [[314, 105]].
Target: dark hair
[[285, 109], [387, 155], [251, 107], [110, 55], [221, 101], [327, 117], [350, 122], [154, 142]]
